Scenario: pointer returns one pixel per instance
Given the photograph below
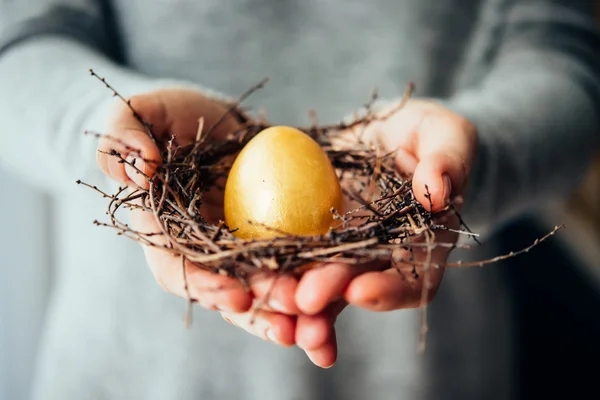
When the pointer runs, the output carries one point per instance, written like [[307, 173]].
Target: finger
[[405, 161], [397, 141], [277, 291], [128, 144], [433, 144], [209, 289], [392, 289], [320, 286], [435, 179], [315, 331], [127, 135], [444, 145], [326, 355], [270, 326]]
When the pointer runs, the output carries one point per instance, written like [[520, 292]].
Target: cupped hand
[[177, 112], [437, 147]]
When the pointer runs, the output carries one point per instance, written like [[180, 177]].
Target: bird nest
[[386, 224]]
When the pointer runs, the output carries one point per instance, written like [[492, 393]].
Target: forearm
[[537, 114], [48, 99]]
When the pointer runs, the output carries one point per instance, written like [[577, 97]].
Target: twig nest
[[282, 183], [284, 192]]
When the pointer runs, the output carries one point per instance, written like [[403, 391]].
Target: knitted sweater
[[526, 73]]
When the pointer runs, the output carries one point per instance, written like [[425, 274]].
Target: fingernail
[[133, 173], [229, 320], [277, 306], [447, 188], [271, 336], [221, 308]]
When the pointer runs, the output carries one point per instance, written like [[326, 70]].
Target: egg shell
[[284, 183]]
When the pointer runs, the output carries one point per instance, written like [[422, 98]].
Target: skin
[[430, 143]]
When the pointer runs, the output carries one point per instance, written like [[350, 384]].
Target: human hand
[[435, 146], [430, 142], [176, 112]]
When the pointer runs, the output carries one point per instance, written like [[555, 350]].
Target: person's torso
[[326, 55]]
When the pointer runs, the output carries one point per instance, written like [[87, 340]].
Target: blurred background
[[557, 288]]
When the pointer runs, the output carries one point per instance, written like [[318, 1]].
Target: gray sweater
[[525, 72]]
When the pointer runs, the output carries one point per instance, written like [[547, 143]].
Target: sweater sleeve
[[537, 112], [47, 96]]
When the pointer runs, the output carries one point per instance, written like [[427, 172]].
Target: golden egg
[[284, 183]]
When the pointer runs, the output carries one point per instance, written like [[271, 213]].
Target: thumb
[[128, 153], [444, 147], [437, 178]]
